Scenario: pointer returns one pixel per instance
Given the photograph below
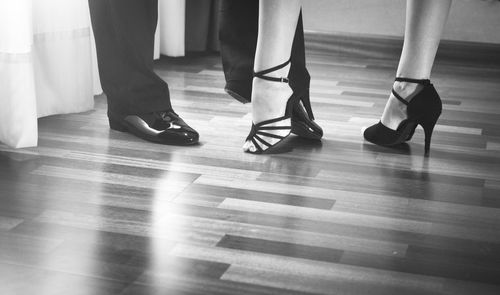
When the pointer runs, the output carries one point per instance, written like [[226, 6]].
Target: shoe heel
[[115, 125], [306, 101], [428, 126]]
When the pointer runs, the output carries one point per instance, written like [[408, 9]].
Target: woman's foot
[[395, 111], [269, 101]]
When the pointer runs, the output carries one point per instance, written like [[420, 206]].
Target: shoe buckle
[[284, 80]]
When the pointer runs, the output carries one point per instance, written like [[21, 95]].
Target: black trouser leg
[[124, 33], [238, 39], [238, 31]]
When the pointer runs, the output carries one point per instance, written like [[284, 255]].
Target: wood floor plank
[[7, 223], [310, 271]]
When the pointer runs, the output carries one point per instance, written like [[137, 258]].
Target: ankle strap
[[262, 74], [424, 82], [411, 80]]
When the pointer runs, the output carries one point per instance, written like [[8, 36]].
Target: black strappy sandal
[[423, 109], [260, 132]]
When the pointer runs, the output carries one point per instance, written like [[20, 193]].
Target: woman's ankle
[[269, 99], [396, 111], [406, 89]]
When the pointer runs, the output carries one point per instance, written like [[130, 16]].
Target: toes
[[246, 146], [249, 147], [267, 137]]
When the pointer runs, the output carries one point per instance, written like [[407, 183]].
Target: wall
[[469, 20]]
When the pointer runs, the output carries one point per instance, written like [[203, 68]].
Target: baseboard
[[384, 47]]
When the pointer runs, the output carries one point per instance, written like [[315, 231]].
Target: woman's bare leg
[[277, 25], [425, 21]]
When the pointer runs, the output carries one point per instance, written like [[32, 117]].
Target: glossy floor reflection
[[93, 211]]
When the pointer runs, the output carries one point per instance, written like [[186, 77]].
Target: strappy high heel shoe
[[303, 123], [261, 133], [423, 109]]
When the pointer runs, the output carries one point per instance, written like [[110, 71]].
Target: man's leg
[[238, 41], [138, 99], [124, 32]]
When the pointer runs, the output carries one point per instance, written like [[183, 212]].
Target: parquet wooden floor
[[94, 211]]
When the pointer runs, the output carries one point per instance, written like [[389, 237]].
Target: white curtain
[[46, 64], [186, 25], [169, 39]]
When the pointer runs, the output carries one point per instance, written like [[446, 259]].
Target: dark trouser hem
[[238, 39], [124, 34], [240, 90]]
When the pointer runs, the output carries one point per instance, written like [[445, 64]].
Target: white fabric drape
[[186, 25], [46, 65], [170, 32]]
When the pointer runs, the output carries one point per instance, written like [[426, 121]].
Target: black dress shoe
[[165, 127]]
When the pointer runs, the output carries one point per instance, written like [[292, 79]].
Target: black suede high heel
[[423, 109], [260, 132]]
